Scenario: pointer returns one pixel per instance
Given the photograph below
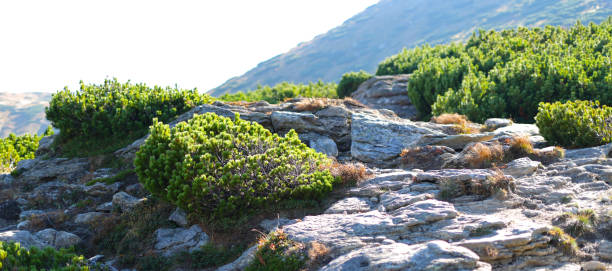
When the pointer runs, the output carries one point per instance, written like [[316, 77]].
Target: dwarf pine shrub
[[219, 168], [114, 110], [15, 257], [575, 123], [507, 73], [350, 82], [16, 148]]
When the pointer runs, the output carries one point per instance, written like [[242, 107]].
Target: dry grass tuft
[[317, 251], [311, 104], [494, 185], [521, 146], [350, 173], [461, 123], [480, 155]]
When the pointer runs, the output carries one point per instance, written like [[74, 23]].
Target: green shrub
[[16, 148], [14, 257], [507, 73], [575, 124], [116, 111], [350, 82], [283, 91], [224, 169]]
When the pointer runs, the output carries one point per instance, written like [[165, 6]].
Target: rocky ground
[[437, 211]]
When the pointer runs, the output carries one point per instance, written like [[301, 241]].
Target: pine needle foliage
[[219, 168]]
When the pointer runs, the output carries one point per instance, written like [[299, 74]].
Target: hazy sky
[[46, 45]]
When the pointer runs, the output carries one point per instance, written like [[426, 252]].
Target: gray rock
[[517, 129], [89, 218], [125, 202], [179, 217], [171, 241], [100, 189], [350, 205], [387, 92], [435, 255], [24, 225], [58, 239], [53, 192], [273, 224], [28, 213], [242, 262], [379, 141], [605, 250], [456, 142], [105, 207], [594, 152], [39, 170], [6, 179], [521, 167], [324, 145], [10, 210], [44, 145], [25, 238], [495, 123]]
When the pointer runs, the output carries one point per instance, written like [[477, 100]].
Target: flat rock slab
[[435, 255]]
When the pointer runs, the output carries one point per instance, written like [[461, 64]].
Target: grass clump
[[276, 251], [460, 123], [15, 257], [575, 123], [111, 115], [580, 223], [566, 243], [283, 91], [492, 185], [223, 170], [350, 82]]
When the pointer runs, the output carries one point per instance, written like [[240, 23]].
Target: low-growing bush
[[575, 123], [350, 82], [15, 257], [114, 111], [223, 169], [507, 73], [276, 251], [16, 148], [284, 91]]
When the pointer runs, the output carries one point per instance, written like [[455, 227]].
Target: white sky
[[46, 45]]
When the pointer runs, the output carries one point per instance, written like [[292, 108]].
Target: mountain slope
[[385, 28], [22, 113]]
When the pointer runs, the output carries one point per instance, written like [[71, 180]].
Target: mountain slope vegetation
[[387, 27]]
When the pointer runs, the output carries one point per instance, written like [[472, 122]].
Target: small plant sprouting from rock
[[579, 223], [492, 185], [350, 173], [566, 243]]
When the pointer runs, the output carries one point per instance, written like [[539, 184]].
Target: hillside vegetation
[[383, 29], [507, 73], [283, 91]]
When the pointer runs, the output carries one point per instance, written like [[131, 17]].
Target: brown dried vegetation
[[461, 123], [349, 173]]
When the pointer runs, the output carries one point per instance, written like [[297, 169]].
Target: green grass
[[111, 180]]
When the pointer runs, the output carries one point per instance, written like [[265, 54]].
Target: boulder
[[434, 255], [179, 217], [380, 141], [25, 238], [387, 92], [89, 218], [125, 202], [242, 262], [495, 123], [39, 170], [171, 241], [58, 239], [521, 167]]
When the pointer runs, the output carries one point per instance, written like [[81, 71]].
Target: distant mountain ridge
[[22, 113], [385, 28]]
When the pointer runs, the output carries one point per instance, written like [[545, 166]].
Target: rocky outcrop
[[171, 241], [387, 92]]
